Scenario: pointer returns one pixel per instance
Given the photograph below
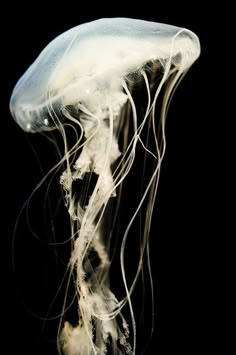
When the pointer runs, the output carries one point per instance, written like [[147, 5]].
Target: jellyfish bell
[[91, 60], [86, 77]]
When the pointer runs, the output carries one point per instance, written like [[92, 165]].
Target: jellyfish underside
[[114, 88]]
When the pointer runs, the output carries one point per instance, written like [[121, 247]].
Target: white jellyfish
[[112, 80]]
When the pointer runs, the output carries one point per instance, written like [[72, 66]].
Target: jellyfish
[[112, 81]]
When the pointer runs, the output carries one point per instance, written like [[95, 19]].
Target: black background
[[182, 234]]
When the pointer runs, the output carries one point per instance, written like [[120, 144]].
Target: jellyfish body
[[86, 77]]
